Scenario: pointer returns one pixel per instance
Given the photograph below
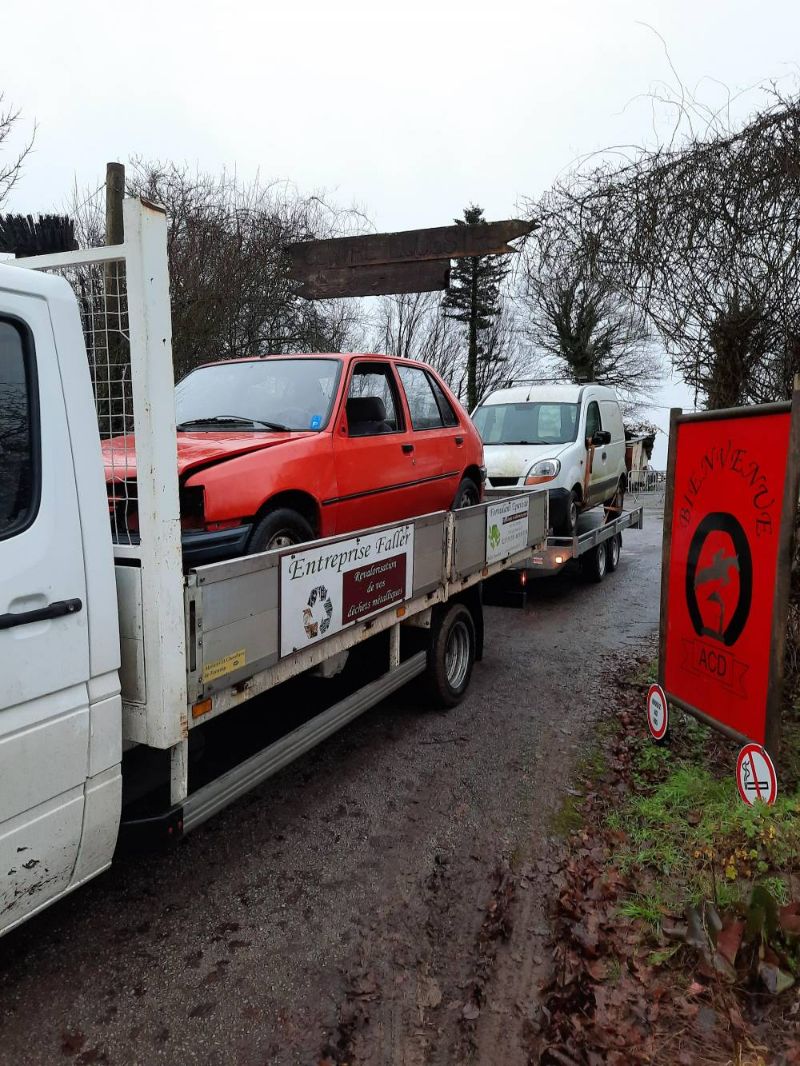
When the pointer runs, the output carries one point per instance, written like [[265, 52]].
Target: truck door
[[44, 644]]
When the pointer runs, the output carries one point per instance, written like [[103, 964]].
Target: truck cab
[[60, 742]]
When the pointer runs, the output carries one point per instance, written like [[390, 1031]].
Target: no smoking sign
[[755, 776]]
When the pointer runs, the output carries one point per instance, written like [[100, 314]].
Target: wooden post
[[115, 194]]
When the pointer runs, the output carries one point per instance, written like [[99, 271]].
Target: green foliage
[[474, 299]]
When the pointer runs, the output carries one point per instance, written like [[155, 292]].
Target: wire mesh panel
[[101, 291]]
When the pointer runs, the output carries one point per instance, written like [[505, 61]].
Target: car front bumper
[[203, 546]]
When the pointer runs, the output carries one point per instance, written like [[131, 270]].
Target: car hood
[[195, 450], [515, 460]]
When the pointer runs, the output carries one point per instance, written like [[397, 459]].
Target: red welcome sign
[[732, 494]]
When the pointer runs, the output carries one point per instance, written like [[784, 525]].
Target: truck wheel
[[280, 528], [614, 546], [451, 656], [595, 563], [468, 495]]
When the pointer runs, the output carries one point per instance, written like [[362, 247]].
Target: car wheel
[[468, 495], [613, 547], [617, 502], [451, 656], [594, 563], [569, 523], [280, 528]]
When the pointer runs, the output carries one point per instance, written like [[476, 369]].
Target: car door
[[612, 421], [598, 454], [44, 642], [373, 453], [436, 436]]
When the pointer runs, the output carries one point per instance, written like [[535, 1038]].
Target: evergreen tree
[[474, 299]]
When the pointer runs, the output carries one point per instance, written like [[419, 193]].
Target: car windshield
[[270, 393], [527, 423]]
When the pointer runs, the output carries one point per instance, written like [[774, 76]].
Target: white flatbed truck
[[116, 661]]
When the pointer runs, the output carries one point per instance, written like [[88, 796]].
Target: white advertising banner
[[324, 590], [506, 528]]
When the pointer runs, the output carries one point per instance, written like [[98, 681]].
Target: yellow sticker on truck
[[226, 665]]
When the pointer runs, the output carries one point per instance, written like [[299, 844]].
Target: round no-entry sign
[[657, 712], [755, 775]]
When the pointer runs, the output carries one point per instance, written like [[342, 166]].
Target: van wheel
[[595, 563], [617, 501], [613, 548], [468, 495], [280, 528], [451, 656], [569, 523]]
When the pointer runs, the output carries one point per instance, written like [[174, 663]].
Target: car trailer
[[597, 548]]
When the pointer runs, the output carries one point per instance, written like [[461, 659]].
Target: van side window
[[592, 419], [19, 458]]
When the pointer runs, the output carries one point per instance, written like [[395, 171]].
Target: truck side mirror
[[602, 436]]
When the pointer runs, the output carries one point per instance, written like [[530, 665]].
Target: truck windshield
[[267, 394], [527, 423]]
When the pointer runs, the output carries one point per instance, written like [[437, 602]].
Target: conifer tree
[[474, 299]]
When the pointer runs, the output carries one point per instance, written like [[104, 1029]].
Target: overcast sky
[[409, 110]]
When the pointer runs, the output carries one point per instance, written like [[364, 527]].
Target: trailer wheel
[[451, 656], [614, 548], [595, 562]]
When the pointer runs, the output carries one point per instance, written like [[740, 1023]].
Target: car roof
[[557, 393], [306, 355]]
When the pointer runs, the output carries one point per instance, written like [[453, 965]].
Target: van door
[[611, 415], [44, 644], [597, 455]]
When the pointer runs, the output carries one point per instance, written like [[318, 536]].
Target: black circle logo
[[717, 575]]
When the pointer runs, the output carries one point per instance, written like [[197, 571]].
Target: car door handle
[[459, 441], [604, 455], [53, 610], [408, 448]]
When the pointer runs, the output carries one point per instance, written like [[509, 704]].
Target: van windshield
[[527, 423], [270, 393]]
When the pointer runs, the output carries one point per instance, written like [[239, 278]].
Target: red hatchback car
[[278, 450]]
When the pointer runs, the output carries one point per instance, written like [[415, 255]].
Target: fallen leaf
[[729, 941], [774, 979], [428, 993]]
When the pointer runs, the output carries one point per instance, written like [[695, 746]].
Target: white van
[[567, 437]]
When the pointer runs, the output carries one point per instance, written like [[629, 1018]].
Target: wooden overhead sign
[[321, 283], [409, 261], [732, 488]]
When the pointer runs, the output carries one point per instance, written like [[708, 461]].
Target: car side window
[[592, 419], [449, 417], [19, 450], [422, 404], [372, 406]]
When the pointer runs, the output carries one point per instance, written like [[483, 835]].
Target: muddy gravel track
[[358, 905]]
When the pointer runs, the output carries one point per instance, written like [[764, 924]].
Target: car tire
[[569, 523], [613, 548], [595, 563], [280, 528], [451, 656], [467, 495]]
